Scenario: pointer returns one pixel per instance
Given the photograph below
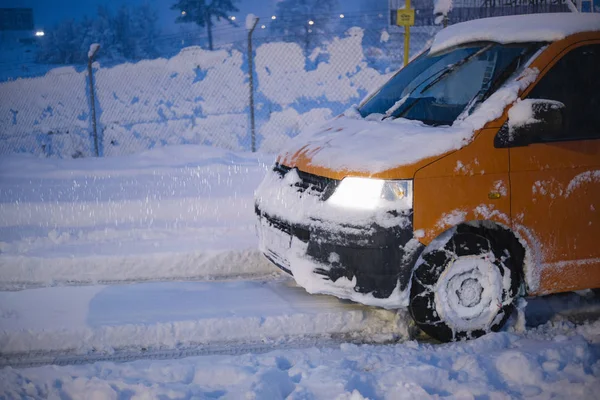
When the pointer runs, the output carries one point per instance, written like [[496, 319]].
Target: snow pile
[[516, 29], [338, 76], [198, 96], [282, 125], [183, 212], [195, 97], [48, 115], [545, 364], [344, 77]]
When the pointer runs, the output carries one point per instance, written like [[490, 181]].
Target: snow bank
[[104, 319], [47, 115], [345, 77], [182, 212], [195, 97]]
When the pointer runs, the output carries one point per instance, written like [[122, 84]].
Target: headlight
[[368, 194]]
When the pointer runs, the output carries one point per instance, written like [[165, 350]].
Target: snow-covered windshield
[[437, 88]]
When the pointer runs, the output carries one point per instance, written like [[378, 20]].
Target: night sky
[[49, 12]]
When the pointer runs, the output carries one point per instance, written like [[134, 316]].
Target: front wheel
[[463, 288]]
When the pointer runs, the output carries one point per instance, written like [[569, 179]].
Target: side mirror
[[531, 120]]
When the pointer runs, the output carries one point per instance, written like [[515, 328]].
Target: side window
[[575, 81]]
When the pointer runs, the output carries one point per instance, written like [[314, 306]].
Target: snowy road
[[65, 325], [41, 325], [178, 213], [558, 359]]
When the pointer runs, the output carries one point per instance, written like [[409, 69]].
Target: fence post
[[91, 54], [251, 82]]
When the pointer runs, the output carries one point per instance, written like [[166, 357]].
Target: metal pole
[[251, 79], [406, 37], [91, 55]]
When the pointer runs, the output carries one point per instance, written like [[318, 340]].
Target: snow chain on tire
[[431, 266]]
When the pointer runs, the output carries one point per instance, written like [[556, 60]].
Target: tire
[[464, 287]]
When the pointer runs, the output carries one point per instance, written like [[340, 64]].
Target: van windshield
[[436, 89]]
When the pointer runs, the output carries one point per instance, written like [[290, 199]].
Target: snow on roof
[[516, 29]]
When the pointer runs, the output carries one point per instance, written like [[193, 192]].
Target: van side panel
[[556, 198], [467, 185]]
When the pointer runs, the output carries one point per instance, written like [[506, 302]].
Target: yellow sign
[[405, 17]]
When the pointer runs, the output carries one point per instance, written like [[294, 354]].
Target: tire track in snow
[[94, 323], [126, 355]]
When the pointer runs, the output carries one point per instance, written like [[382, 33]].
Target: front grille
[[301, 232], [277, 224], [313, 184]]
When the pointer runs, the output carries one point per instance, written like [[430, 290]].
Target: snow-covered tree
[[203, 12], [60, 45], [129, 34], [308, 21], [144, 24]]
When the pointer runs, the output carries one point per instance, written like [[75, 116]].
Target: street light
[[262, 27], [273, 17], [183, 13], [311, 22], [39, 33], [232, 18], [341, 15]]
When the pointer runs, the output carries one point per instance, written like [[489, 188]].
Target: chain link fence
[[199, 96]]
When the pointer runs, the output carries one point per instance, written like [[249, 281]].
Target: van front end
[[351, 238]]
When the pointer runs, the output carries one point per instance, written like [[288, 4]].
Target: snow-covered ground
[[139, 277], [182, 212], [39, 325], [557, 360]]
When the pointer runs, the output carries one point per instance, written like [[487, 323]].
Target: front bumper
[[377, 260]]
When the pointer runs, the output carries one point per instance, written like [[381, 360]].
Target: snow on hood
[[516, 29], [360, 145]]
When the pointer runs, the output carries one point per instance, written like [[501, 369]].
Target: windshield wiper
[[389, 113], [456, 66], [439, 75]]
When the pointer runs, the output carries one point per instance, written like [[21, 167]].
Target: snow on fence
[[196, 97], [48, 115]]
